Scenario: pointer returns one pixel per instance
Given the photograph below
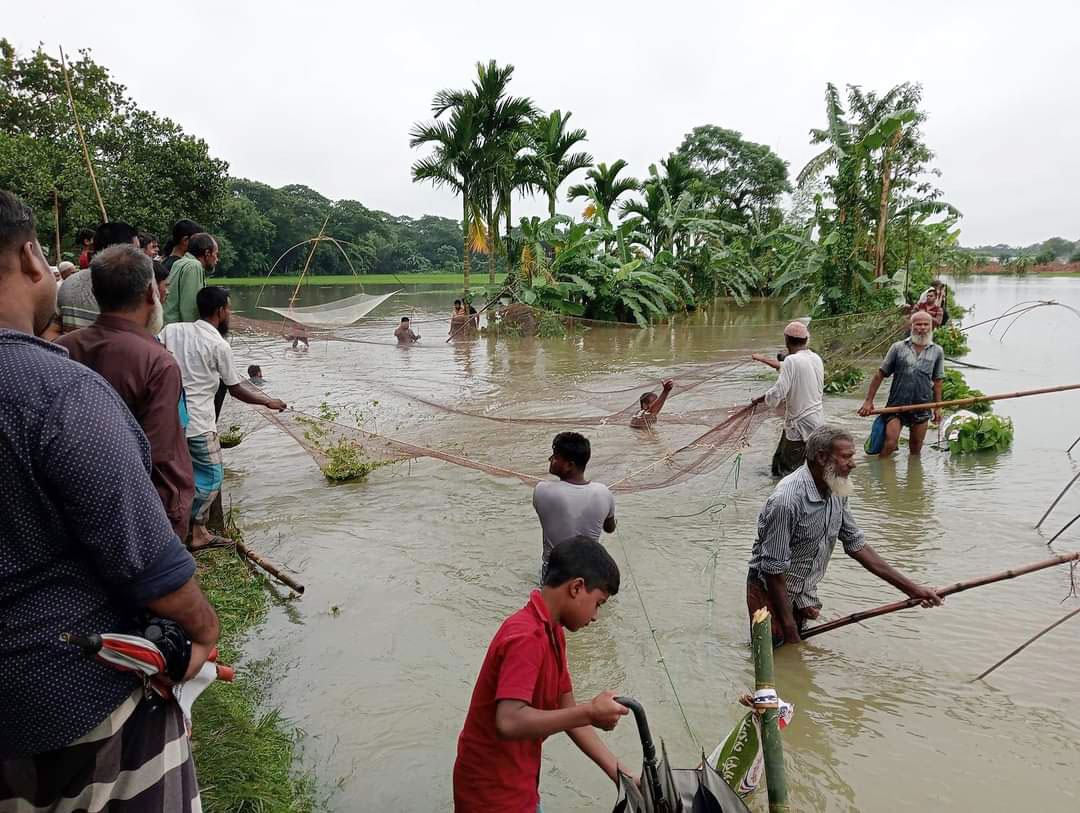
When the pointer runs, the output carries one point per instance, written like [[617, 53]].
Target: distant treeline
[[1048, 251]]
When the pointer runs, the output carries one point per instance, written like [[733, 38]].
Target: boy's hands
[[604, 712]]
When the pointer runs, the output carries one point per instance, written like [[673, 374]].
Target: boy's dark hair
[[199, 244], [646, 399], [146, 238], [16, 222], [404, 318], [574, 447], [113, 234], [184, 228], [457, 301], [252, 369], [82, 235], [210, 300], [119, 276], [582, 558]]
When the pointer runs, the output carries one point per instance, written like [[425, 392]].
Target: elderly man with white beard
[[917, 367], [797, 530]]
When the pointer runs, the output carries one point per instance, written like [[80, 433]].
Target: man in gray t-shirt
[[571, 507], [917, 367]]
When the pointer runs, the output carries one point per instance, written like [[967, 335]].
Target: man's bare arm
[[249, 396], [875, 383], [188, 607], [868, 558]]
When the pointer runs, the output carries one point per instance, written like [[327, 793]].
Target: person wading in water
[[799, 388], [796, 531]]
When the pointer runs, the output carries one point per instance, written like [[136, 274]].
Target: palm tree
[[454, 163], [500, 120], [552, 143], [605, 188]]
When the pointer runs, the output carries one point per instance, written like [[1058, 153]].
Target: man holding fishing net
[[799, 388], [797, 530]]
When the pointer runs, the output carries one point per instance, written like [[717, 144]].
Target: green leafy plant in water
[[550, 326], [952, 340], [954, 387], [231, 437], [983, 434], [345, 460], [843, 378]]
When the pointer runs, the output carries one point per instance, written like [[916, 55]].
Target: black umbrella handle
[[89, 643], [648, 749]]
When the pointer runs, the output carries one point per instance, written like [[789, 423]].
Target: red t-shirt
[[525, 661]]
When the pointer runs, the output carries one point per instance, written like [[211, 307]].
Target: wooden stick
[[1073, 444], [968, 364], [273, 570], [1058, 498], [959, 587], [314, 245], [1024, 645], [56, 222], [82, 138], [1063, 530], [966, 401]]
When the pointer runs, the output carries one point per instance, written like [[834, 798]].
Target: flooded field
[[409, 573]]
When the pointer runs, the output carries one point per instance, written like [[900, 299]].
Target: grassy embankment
[[244, 756], [477, 281]]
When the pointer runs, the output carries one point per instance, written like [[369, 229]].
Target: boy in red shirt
[[523, 693]]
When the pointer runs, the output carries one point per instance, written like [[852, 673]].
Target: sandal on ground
[[215, 542]]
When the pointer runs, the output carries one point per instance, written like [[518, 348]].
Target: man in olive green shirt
[[187, 278]]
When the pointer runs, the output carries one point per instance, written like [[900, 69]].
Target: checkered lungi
[[209, 474]]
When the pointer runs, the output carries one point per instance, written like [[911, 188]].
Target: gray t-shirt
[[568, 511], [913, 373]]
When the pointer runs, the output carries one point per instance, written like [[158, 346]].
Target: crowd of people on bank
[[112, 385]]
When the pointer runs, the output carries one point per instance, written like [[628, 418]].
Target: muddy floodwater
[[409, 573]]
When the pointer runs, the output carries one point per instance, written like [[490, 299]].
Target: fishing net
[[330, 443], [340, 313]]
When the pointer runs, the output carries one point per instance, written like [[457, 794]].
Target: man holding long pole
[[797, 530], [917, 367]]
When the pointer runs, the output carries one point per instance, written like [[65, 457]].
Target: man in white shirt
[[205, 359], [572, 507], [799, 388]]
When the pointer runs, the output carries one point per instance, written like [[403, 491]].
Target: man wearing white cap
[[799, 388]]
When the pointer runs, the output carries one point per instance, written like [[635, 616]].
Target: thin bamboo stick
[[1073, 444], [771, 745], [1063, 530], [307, 263], [959, 587], [1026, 643], [272, 569], [1058, 498], [82, 138], [966, 401], [56, 223]]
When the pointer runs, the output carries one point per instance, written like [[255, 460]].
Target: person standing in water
[[797, 530], [799, 388], [917, 367], [572, 507], [404, 333], [651, 404]]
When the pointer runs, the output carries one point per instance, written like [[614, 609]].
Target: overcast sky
[[324, 93]]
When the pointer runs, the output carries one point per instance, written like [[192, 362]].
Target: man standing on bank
[[797, 530], [799, 388], [917, 366]]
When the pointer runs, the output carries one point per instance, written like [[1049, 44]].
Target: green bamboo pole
[[771, 745]]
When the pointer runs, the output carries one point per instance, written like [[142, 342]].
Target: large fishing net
[[340, 313]]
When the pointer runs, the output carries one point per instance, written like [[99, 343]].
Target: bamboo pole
[[1026, 643], [272, 569], [1058, 498], [56, 223], [1063, 530], [959, 587], [82, 138], [771, 745], [1073, 444], [307, 263], [975, 400]]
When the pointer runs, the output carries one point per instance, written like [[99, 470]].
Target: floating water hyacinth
[[968, 435]]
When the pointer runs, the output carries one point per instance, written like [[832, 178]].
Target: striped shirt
[[76, 303], [796, 532]]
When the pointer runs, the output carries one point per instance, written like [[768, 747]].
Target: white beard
[[923, 340], [157, 318], [839, 486]]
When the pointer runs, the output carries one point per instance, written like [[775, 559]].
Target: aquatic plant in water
[[550, 326], [952, 340], [345, 460], [231, 437], [982, 434], [843, 378], [954, 388]]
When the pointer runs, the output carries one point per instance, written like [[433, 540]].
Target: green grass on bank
[[475, 280], [244, 757]]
